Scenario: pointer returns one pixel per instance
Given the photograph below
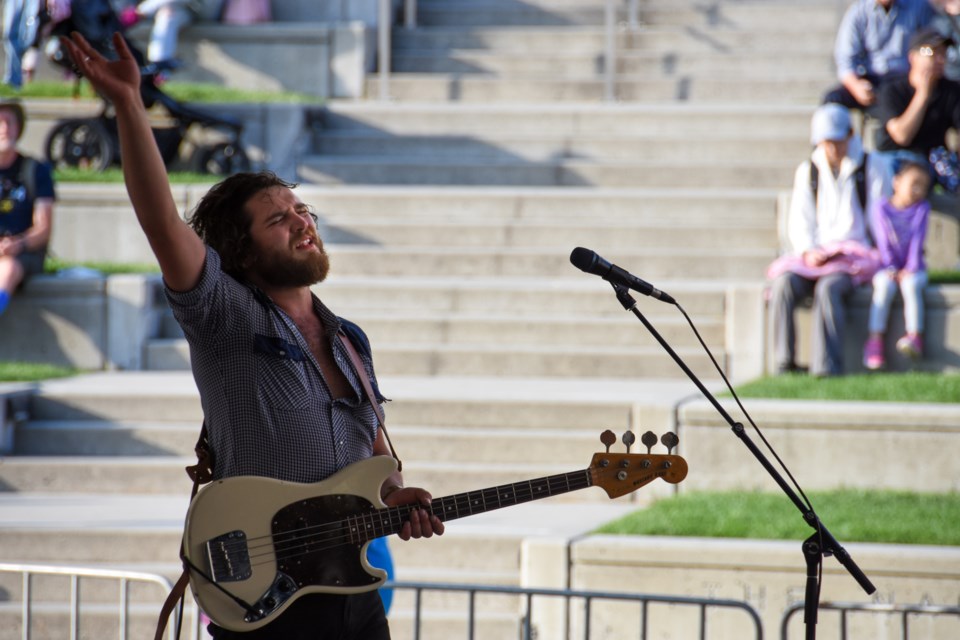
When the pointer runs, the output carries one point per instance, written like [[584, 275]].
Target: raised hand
[[116, 80]]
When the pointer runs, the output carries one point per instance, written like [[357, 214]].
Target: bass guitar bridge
[[228, 557]]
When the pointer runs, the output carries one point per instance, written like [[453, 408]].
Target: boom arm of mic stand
[[829, 543]]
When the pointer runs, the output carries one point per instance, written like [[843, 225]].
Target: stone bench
[[941, 334], [327, 60], [318, 47], [750, 341], [323, 48], [82, 320]]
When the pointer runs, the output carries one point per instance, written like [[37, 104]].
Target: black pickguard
[[314, 546]]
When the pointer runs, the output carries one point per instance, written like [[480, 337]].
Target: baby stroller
[[188, 137]]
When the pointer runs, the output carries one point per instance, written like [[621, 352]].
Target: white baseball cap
[[830, 122]]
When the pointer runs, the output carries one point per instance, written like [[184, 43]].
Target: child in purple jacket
[[899, 227]]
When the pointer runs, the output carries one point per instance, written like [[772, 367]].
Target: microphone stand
[[821, 543]]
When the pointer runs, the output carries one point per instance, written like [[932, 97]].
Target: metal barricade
[[903, 610], [642, 600], [75, 574]]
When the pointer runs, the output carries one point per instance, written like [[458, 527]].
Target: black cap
[[929, 37]]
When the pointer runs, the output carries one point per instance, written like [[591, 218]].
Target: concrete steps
[[468, 234], [465, 262], [124, 441], [791, 37], [520, 296], [539, 331], [586, 12], [792, 89], [470, 360], [564, 173], [546, 53], [623, 209], [628, 147], [709, 121], [668, 149], [98, 223], [586, 63]]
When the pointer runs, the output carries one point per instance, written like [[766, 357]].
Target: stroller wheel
[[222, 159], [83, 144]]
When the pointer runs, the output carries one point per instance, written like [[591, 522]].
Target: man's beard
[[282, 270]]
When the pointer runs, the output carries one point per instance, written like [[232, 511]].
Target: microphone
[[590, 262]]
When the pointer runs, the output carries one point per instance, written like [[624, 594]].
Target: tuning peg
[[670, 440], [629, 439], [608, 438], [649, 439]]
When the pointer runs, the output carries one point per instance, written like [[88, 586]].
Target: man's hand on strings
[[422, 523], [117, 80]]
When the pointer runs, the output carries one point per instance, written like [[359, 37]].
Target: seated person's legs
[[829, 318], [912, 286], [167, 22], [786, 292], [11, 275], [884, 289]]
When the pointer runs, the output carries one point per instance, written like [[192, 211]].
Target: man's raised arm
[[177, 247]]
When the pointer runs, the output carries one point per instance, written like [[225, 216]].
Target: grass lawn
[[181, 91], [114, 175], [944, 277], [54, 265], [875, 387], [898, 517], [32, 372]]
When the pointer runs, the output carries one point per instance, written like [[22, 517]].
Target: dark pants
[[830, 294], [32, 262], [841, 95], [321, 616]]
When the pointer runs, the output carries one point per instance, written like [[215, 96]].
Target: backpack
[[859, 175], [27, 176]]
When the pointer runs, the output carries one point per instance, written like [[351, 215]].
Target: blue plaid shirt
[[268, 410]]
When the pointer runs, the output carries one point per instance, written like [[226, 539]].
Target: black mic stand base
[[813, 555]]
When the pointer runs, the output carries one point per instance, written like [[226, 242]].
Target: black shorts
[[32, 262]]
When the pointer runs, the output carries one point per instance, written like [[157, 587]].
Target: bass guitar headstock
[[622, 473]]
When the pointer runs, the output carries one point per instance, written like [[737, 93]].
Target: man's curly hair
[[221, 221]]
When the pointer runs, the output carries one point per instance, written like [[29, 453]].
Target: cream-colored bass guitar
[[257, 544]]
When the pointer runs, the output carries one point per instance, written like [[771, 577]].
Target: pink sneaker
[[128, 17], [873, 354], [911, 345]]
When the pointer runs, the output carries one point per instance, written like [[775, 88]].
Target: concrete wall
[[81, 319], [62, 321], [327, 10], [327, 57], [941, 334], [274, 136], [328, 60], [880, 445], [768, 575]]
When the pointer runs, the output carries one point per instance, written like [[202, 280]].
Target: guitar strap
[[200, 473], [368, 390]]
